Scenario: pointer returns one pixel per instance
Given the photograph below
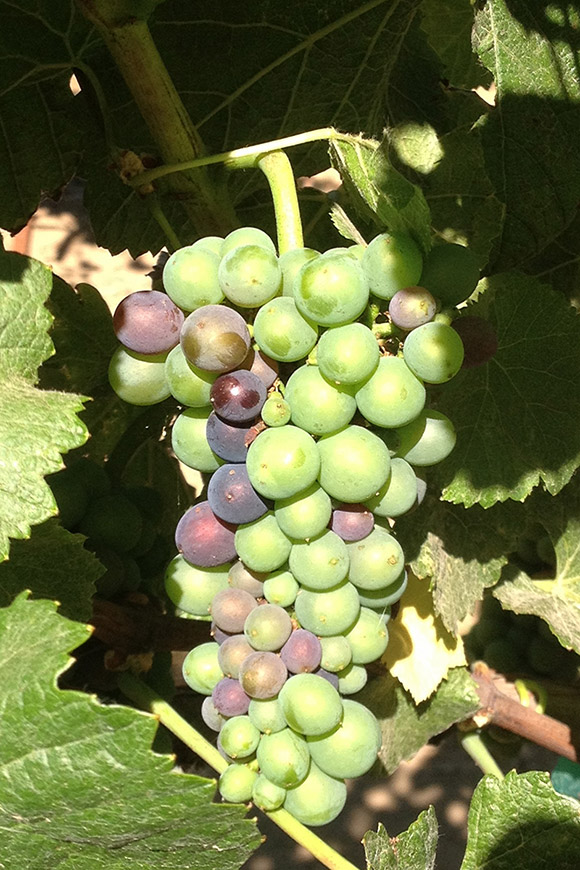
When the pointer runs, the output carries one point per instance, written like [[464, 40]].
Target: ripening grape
[[390, 262], [321, 562], [368, 637], [305, 514], [331, 289], [215, 338], [189, 440], [232, 653], [268, 627], [329, 612], [147, 322], [239, 737], [433, 352], [302, 652], [398, 494], [317, 405], [190, 277], [262, 545], [318, 799], [240, 577], [291, 262], [229, 697], [230, 608], [393, 395], [246, 236], [479, 340], [351, 749], [250, 275], [282, 332], [347, 354], [190, 386], [237, 397], [203, 538], [261, 365], [282, 462], [228, 442], [352, 522], [283, 757], [450, 273], [354, 464], [376, 561], [412, 307], [191, 588], [212, 717], [236, 783], [232, 497], [201, 670], [138, 379], [262, 674], [427, 440]]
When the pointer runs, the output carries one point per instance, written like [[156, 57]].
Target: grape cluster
[[311, 431]]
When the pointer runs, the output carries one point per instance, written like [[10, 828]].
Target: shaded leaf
[[448, 26], [414, 849]]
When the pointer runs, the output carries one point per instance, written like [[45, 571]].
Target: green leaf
[[380, 190], [448, 26], [516, 416], [80, 787], [52, 564], [407, 727], [414, 849], [36, 426], [521, 823], [461, 551], [530, 138]]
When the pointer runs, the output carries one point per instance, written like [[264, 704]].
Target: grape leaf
[[405, 726], [461, 551], [448, 26], [52, 564], [516, 416], [114, 804], [421, 650], [530, 138], [521, 823], [414, 849], [377, 187], [36, 426]]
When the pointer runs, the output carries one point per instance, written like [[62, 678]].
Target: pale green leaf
[[413, 849]]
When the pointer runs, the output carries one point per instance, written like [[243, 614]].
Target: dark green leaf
[[448, 26], [414, 849]]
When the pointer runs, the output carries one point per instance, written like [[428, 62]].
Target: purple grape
[[230, 608], [262, 675], [204, 539], [238, 397], [261, 365], [240, 577], [215, 338], [148, 322], [479, 340], [412, 307], [327, 675], [302, 652], [229, 698], [351, 522], [219, 635], [227, 441], [232, 497]]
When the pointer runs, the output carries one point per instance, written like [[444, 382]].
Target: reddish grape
[[479, 340], [203, 538], [229, 698], [230, 608], [237, 397], [261, 365], [302, 652], [232, 497], [352, 522], [227, 441], [215, 338], [263, 674], [148, 322], [240, 577], [412, 307]]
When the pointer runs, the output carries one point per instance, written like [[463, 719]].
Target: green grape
[[320, 563], [239, 737], [544, 656], [282, 462], [336, 653], [209, 243], [190, 277], [391, 261], [250, 275], [112, 521], [201, 669], [305, 514], [500, 655], [450, 273], [318, 799], [382, 598], [398, 494], [351, 749], [267, 628], [352, 679], [310, 704], [489, 628], [347, 354], [138, 379], [368, 637], [188, 385], [330, 612], [433, 352], [283, 757], [236, 783], [267, 715], [317, 405], [95, 480], [331, 289], [428, 439], [267, 795], [262, 545], [71, 497], [192, 588], [392, 396], [247, 236], [354, 464], [291, 262], [375, 561], [276, 410], [282, 332], [281, 588], [189, 442]]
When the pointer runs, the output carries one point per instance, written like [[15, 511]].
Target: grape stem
[[149, 700], [278, 171], [477, 750]]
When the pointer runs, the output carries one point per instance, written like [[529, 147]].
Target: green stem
[[278, 171], [137, 58], [149, 700], [173, 241], [475, 747], [239, 157]]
